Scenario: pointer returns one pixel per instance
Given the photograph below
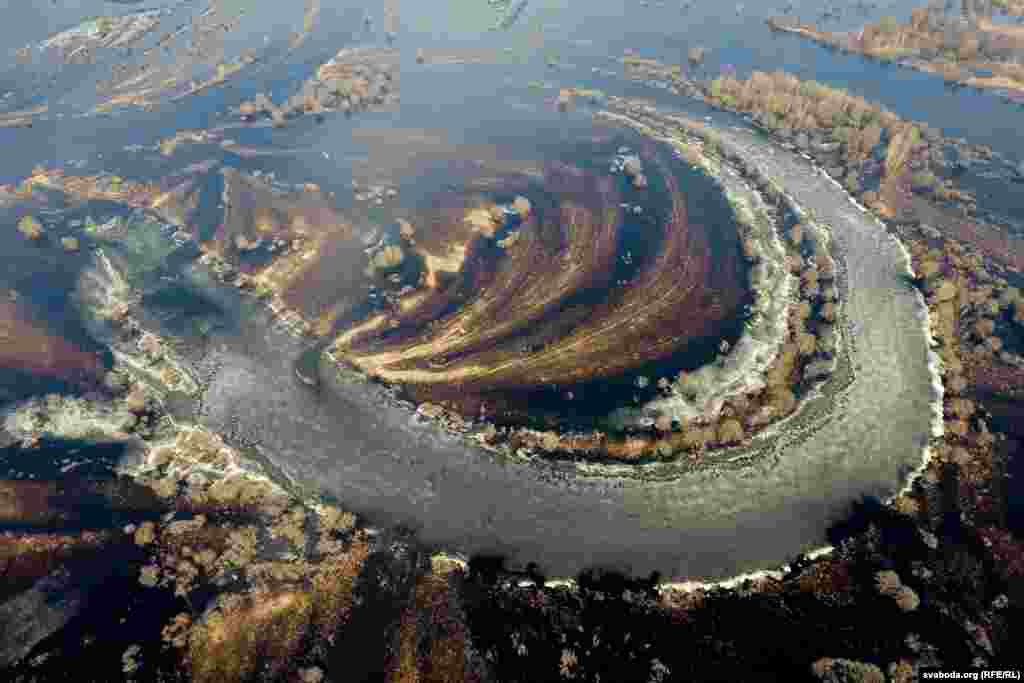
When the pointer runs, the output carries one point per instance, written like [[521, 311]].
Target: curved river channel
[[351, 441]]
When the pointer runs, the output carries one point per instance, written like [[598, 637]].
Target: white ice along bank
[[742, 368]]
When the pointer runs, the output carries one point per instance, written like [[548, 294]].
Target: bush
[[693, 439], [900, 148], [919, 19], [782, 400], [30, 227], [730, 431], [888, 25], [811, 89], [852, 183], [796, 234], [802, 311], [969, 46], [924, 181], [928, 269], [984, 328], [807, 343]]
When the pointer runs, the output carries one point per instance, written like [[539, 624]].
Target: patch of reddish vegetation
[[1000, 247], [997, 378], [24, 558], [1006, 550], [256, 211], [26, 346], [988, 240]]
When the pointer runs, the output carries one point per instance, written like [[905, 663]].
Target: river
[[349, 441]]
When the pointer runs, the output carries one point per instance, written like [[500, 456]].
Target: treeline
[[866, 132]]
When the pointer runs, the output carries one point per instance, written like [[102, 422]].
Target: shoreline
[[769, 454], [902, 486], [942, 68]]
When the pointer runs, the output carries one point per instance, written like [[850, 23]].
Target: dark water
[[342, 437]]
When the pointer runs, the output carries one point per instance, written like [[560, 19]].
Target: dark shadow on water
[[368, 641], [897, 530], [18, 385], [183, 309], [109, 612], [307, 366], [54, 458]]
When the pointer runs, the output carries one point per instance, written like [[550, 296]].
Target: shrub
[[811, 290], [809, 277], [861, 141], [811, 89], [782, 400], [807, 343], [246, 634], [984, 327], [962, 407], [919, 19], [907, 599], [969, 46], [945, 290], [693, 439], [689, 384], [730, 431], [887, 582], [803, 311], [30, 227], [852, 182], [957, 428], [796, 234], [928, 269], [924, 181], [888, 25]]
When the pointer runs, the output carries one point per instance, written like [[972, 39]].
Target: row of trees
[[747, 412], [802, 105], [782, 101], [957, 37]]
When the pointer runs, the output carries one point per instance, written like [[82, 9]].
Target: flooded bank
[[352, 440]]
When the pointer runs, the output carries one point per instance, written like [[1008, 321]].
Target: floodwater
[[347, 439]]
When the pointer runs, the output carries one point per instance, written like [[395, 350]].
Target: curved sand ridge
[[355, 443]]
